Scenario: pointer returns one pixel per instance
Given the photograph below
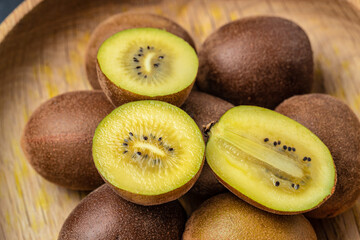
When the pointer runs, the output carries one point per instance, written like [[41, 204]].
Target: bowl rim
[[15, 17]]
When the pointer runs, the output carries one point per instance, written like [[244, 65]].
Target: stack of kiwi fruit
[[231, 130]]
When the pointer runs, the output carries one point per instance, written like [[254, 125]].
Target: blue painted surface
[[7, 6]]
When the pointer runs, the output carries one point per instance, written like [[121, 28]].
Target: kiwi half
[[270, 160], [339, 128], [150, 152], [146, 63], [225, 217], [121, 22]]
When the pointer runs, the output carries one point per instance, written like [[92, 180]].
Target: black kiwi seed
[[296, 186], [161, 57], [159, 138], [125, 151], [138, 153], [293, 149], [131, 134], [292, 185], [139, 73], [171, 149], [135, 59], [305, 158], [309, 159], [289, 149], [145, 76], [125, 144], [145, 138], [284, 147], [275, 143], [277, 183], [279, 142], [156, 65], [148, 47], [138, 67], [266, 140]]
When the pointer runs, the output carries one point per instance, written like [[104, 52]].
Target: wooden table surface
[[42, 47]]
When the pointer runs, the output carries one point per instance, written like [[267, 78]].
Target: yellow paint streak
[[234, 16], [46, 70], [70, 75], [43, 200], [17, 177], [36, 223], [8, 218], [23, 167], [75, 58], [216, 13], [25, 114], [83, 42], [356, 104], [51, 89], [159, 11]]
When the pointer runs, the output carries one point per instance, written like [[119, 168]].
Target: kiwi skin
[[339, 128], [103, 215], [57, 140], [256, 61], [227, 217], [119, 95], [121, 22], [204, 109]]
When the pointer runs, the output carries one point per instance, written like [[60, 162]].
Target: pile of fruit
[[255, 146]]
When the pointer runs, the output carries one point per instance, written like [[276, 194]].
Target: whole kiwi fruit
[[57, 139], [121, 22], [227, 217], [204, 109], [103, 215], [256, 61], [339, 128]]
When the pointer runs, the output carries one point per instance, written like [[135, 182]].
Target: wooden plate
[[42, 47]]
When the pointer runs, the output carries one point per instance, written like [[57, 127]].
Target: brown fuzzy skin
[[57, 140], [119, 95], [256, 61], [103, 215], [121, 22], [204, 108], [339, 128], [150, 200], [227, 217]]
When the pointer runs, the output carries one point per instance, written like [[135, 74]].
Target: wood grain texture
[[42, 48]]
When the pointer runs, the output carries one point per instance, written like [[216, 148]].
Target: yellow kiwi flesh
[[148, 62], [149, 151], [270, 160]]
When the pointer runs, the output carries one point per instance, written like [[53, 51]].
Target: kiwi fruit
[[256, 61], [122, 21], [227, 217], [57, 139], [146, 64], [270, 160], [150, 152], [339, 128], [103, 215], [204, 108]]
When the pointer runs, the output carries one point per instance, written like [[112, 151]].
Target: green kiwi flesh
[[339, 128], [57, 139], [149, 151], [146, 63], [122, 21], [227, 217], [204, 108], [270, 160], [103, 215], [256, 61]]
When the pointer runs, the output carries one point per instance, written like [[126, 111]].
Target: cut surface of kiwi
[[270, 160], [149, 151], [147, 62]]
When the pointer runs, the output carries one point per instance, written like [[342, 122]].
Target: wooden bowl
[[42, 48]]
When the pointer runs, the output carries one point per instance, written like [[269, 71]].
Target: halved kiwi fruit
[[270, 160], [120, 22], [146, 63], [150, 152]]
